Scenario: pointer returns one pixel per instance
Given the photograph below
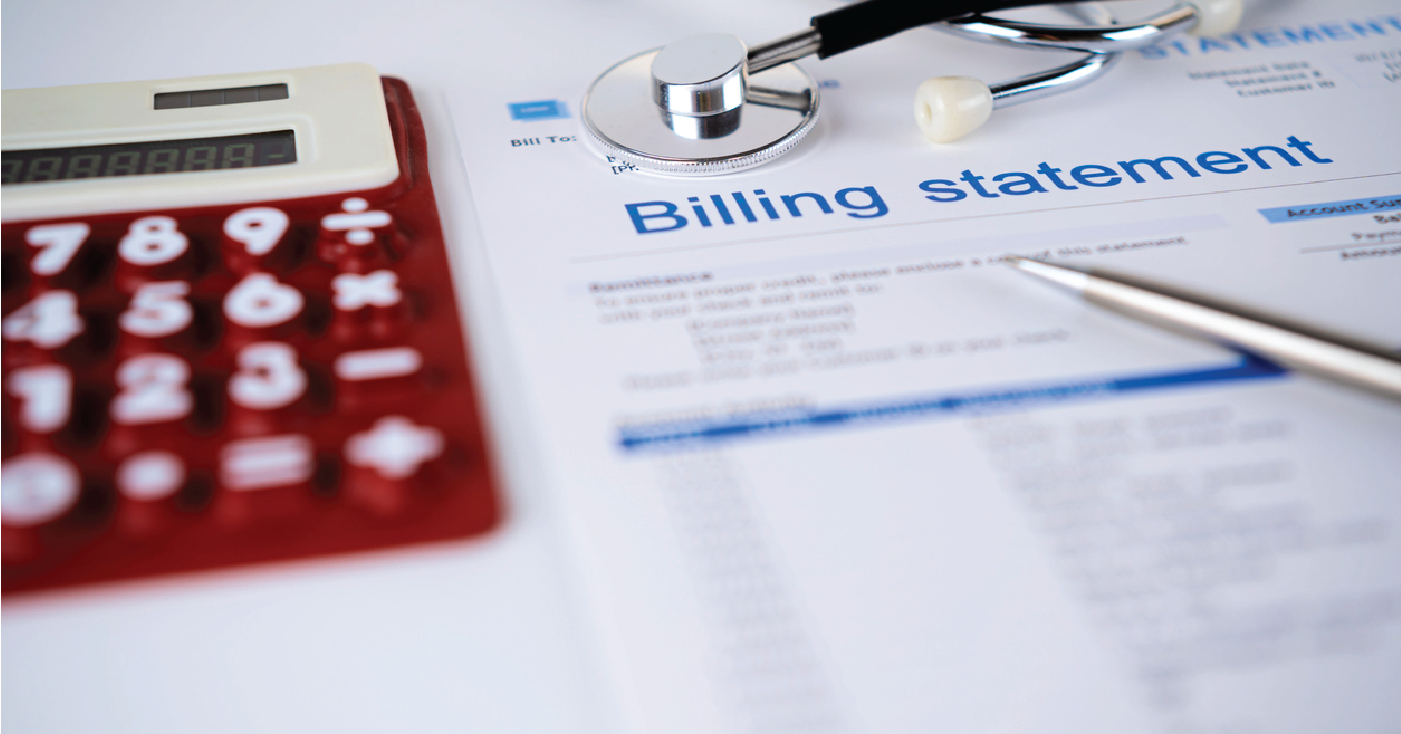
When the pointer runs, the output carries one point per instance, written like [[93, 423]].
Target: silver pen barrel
[[1302, 347]]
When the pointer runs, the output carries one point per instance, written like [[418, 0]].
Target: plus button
[[394, 447]]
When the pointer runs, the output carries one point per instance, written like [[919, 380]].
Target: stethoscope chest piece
[[691, 108]]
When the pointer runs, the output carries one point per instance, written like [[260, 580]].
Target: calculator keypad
[[198, 388]]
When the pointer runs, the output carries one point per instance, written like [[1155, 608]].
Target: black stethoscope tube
[[861, 23]]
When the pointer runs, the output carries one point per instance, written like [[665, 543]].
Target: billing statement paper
[[823, 465]]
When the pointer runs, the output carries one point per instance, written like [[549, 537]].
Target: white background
[[478, 636]]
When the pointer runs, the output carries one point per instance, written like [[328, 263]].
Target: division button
[[357, 221]]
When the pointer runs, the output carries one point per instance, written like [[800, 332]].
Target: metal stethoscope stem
[[704, 112]]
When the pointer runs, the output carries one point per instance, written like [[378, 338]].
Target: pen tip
[[1073, 279]]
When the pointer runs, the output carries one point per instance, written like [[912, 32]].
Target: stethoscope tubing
[[858, 24], [1106, 38], [1103, 42]]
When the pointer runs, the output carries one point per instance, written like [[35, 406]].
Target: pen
[[1296, 346]]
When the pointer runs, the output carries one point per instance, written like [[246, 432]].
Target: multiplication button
[[367, 305]]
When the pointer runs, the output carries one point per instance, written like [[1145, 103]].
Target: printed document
[[821, 462]]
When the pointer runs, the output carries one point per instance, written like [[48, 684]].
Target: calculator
[[230, 329]]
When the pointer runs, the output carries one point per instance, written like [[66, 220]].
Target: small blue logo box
[[545, 109]]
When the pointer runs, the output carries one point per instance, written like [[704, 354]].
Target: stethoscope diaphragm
[[692, 108]]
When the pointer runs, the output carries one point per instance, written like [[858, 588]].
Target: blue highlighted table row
[[703, 432], [1377, 205]]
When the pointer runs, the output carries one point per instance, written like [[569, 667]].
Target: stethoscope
[[708, 104]]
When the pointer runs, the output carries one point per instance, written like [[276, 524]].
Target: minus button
[[374, 364]]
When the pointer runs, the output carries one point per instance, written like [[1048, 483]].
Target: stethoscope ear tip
[[949, 107], [1215, 17]]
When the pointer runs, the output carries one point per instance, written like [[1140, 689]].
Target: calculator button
[[256, 230], [152, 241], [153, 388], [45, 392], [56, 244], [260, 301], [356, 223], [386, 460], [152, 248], [151, 475], [353, 292], [378, 364], [394, 447], [37, 488], [48, 321], [158, 309], [266, 480], [358, 236], [268, 377], [260, 463]]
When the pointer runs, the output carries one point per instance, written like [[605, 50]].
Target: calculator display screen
[[150, 157]]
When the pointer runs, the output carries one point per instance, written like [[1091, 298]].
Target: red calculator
[[230, 329]]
